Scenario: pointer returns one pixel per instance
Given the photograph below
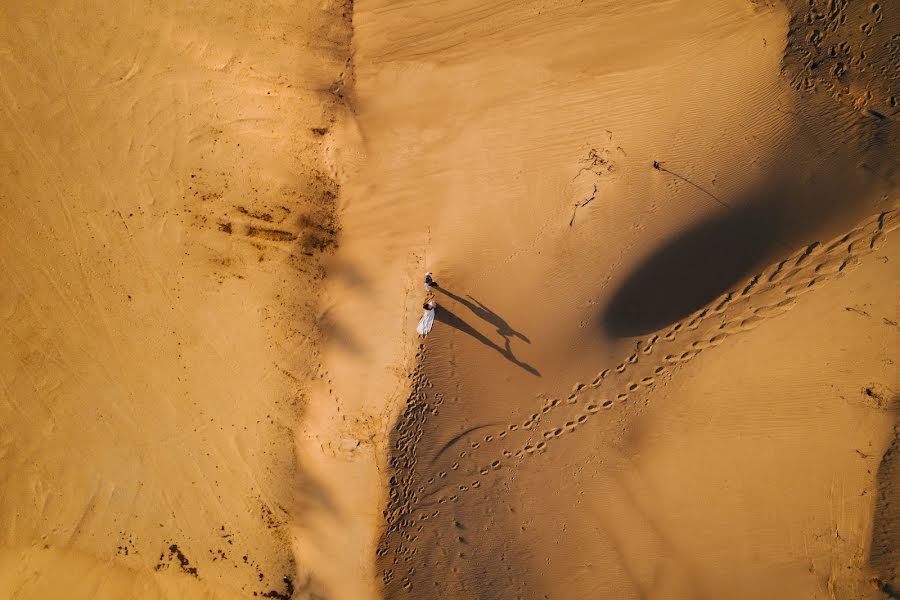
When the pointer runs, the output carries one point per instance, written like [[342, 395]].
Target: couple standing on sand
[[427, 319]]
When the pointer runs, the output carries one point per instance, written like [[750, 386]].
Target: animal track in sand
[[767, 294]]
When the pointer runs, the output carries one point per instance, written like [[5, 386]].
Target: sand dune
[[164, 203], [535, 457], [663, 362]]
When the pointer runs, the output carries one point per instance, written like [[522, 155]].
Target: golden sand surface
[[663, 364], [165, 204]]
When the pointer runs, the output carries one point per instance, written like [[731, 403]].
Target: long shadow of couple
[[448, 317]]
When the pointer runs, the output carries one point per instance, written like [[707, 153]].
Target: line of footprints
[[780, 285]]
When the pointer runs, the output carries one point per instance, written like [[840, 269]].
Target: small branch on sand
[[659, 167], [582, 204]]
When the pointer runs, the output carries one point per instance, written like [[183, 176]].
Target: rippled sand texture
[[165, 202], [664, 357], [635, 388]]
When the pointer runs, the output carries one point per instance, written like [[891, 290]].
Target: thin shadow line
[[659, 167], [456, 438], [448, 317], [483, 312]]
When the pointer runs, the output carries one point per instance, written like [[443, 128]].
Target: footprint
[[781, 273], [750, 323], [775, 309], [877, 240], [849, 263], [750, 286], [723, 304], [799, 266], [796, 290], [829, 266]]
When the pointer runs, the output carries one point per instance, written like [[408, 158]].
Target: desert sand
[[165, 204], [664, 357]]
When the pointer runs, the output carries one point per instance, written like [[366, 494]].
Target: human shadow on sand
[[484, 313], [448, 317]]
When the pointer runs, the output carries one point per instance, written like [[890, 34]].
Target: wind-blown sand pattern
[[766, 295], [663, 363], [166, 202], [441, 484]]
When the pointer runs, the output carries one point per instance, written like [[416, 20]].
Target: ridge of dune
[[511, 150], [657, 367]]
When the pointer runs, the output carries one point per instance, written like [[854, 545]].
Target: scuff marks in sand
[[420, 492], [848, 50]]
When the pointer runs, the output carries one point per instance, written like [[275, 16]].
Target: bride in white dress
[[427, 319]]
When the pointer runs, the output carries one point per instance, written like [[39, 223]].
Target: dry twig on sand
[[582, 204]]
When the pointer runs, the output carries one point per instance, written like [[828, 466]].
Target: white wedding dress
[[426, 322]]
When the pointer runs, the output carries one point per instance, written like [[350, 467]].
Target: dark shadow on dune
[[338, 334], [884, 551], [823, 192], [349, 273], [449, 318], [692, 269]]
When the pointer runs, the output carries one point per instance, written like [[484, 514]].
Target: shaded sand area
[[166, 199], [664, 362], [634, 388]]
